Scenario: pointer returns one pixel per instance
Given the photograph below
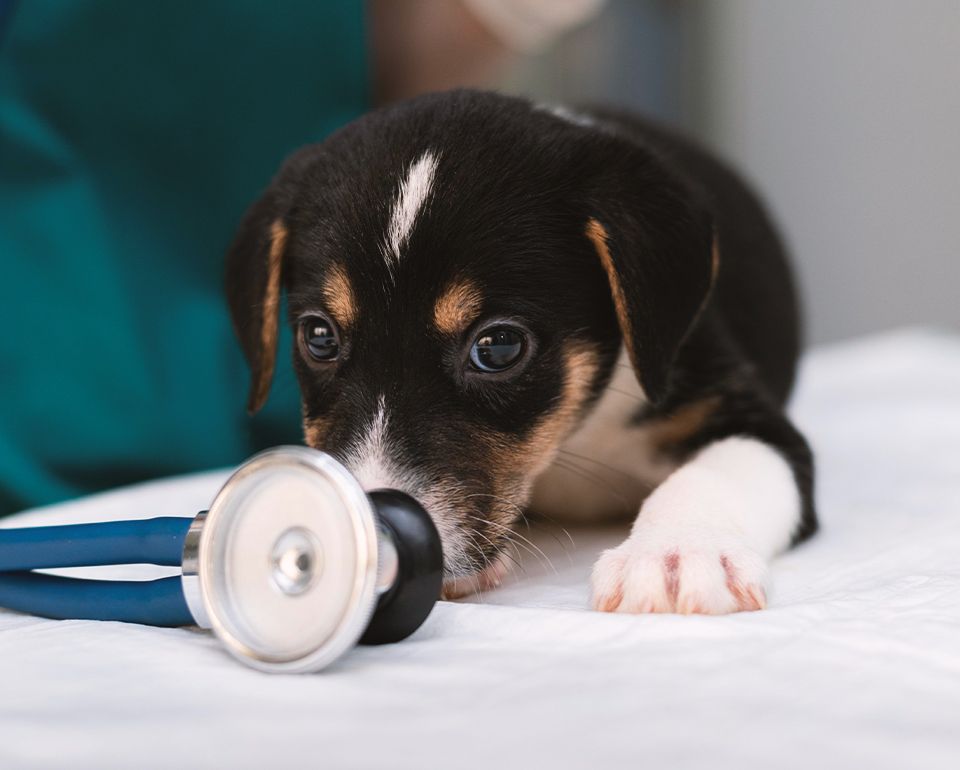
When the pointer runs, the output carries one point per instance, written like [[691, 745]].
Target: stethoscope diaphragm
[[292, 564], [286, 561]]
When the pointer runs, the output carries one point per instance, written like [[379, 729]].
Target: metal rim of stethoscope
[[205, 572]]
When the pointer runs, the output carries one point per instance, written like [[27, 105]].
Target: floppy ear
[[253, 284], [656, 245], [254, 272]]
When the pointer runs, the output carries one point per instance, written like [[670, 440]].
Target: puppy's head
[[461, 272]]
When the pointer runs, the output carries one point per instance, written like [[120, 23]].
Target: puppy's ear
[[254, 277], [255, 269], [253, 283], [656, 244]]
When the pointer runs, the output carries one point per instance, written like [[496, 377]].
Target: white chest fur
[[606, 467]]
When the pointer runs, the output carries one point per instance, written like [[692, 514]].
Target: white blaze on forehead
[[414, 191]]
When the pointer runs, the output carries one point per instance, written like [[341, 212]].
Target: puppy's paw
[[690, 574]]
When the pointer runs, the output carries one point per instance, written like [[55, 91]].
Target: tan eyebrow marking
[[338, 295], [597, 234], [457, 307]]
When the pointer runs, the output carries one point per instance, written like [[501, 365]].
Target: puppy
[[500, 307]]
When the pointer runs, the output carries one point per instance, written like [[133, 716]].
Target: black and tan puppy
[[499, 306]]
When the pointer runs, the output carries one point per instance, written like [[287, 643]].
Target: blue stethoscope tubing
[[158, 541], [292, 564]]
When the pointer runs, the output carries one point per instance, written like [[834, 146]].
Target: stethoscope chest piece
[[292, 564], [284, 565]]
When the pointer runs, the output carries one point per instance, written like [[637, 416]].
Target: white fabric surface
[[855, 664]]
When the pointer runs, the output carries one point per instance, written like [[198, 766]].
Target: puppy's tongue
[[485, 580]]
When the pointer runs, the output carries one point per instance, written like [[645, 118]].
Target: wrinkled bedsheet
[[856, 663]]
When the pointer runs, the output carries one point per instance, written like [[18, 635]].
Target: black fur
[[746, 343], [515, 188]]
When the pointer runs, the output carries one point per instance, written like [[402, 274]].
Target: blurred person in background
[[132, 137]]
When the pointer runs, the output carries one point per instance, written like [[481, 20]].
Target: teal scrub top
[[132, 137]]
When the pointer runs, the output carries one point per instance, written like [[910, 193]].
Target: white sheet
[[855, 664]]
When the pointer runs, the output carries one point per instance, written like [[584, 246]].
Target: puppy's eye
[[319, 338], [497, 348]]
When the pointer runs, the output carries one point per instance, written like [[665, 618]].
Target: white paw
[[654, 572]]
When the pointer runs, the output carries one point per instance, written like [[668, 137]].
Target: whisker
[[630, 476], [553, 522], [524, 542], [475, 574], [568, 547], [568, 463], [622, 392], [550, 531], [494, 546], [508, 535], [586, 475], [526, 520], [536, 552]]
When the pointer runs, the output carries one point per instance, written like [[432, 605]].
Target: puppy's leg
[[704, 537]]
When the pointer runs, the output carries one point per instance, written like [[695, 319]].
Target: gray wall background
[[844, 113]]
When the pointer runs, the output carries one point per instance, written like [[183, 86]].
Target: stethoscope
[[292, 565]]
